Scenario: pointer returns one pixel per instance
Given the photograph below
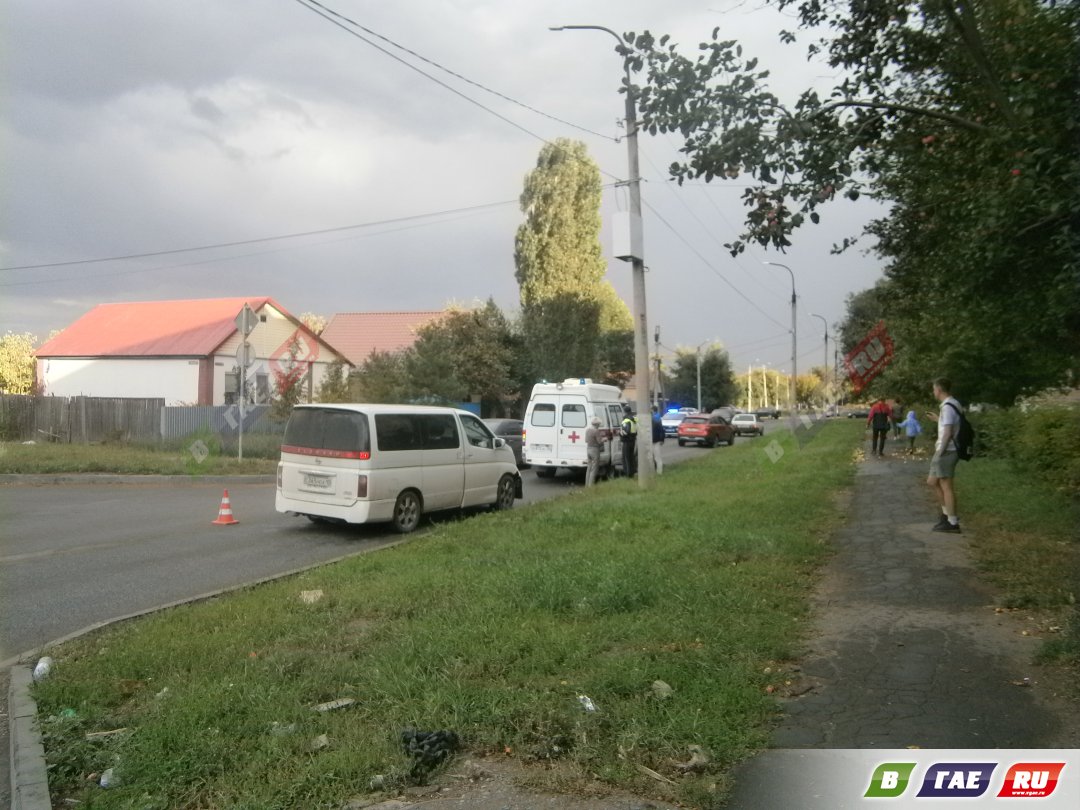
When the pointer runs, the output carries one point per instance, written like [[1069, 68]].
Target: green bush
[[1043, 441], [995, 432], [1049, 446]]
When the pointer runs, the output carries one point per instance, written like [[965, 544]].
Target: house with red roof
[[185, 352], [359, 334]]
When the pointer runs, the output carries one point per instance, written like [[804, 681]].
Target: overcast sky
[[142, 125]]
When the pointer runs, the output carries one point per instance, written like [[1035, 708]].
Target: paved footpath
[[906, 650]]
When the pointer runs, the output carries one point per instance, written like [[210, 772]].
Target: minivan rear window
[[327, 432]]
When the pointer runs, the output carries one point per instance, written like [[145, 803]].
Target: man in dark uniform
[[629, 429]]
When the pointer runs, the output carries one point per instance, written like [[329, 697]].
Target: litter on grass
[[332, 705]]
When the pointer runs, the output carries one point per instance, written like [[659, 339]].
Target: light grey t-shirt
[[948, 416]]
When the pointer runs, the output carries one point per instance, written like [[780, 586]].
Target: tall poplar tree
[[569, 310]]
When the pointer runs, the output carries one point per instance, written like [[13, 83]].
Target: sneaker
[[942, 521], [948, 528]]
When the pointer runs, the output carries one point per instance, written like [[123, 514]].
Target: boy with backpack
[[954, 443]]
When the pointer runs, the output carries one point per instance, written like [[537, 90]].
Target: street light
[[825, 380], [794, 362], [637, 258]]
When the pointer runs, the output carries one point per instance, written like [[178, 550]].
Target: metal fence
[[97, 419], [180, 421]]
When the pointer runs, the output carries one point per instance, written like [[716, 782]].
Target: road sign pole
[[243, 396], [245, 324]]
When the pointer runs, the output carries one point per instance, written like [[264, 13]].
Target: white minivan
[[351, 463], [555, 422]]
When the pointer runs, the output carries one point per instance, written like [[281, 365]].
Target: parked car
[[671, 421], [706, 430], [859, 413], [767, 413], [509, 430], [748, 423]]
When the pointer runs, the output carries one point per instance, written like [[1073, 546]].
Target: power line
[[709, 264], [327, 15], [217, 259], [711, 235], [455, 74], [258, 240], [464, 211]]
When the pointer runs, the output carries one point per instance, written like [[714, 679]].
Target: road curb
[[29, 782], [29, 779], [52, 479]]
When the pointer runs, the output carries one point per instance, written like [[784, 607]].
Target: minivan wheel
[[407, 510], [504, 496]]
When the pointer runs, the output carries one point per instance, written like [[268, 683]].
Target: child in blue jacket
[[913, 429]]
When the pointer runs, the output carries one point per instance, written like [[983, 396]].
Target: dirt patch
[[499, 784]]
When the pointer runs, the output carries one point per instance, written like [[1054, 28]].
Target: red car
[[706, 430]]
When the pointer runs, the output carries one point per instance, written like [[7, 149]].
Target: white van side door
[[443, 474], [483, 466]]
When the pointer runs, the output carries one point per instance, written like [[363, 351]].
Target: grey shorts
[[943, 465]]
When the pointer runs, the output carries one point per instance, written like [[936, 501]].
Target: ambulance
[[557, 416]]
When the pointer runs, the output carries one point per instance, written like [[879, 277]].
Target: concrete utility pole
[[794, 341], [641, 327], [825, 379]]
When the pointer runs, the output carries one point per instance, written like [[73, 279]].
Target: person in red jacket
[[879, 419]]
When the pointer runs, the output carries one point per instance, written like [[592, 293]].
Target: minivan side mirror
[[500, 443]]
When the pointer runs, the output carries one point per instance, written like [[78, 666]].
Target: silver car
[[509, 430], [748, 424]]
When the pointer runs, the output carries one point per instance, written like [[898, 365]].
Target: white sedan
[[747, 423]]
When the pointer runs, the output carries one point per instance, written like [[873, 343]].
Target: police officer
[[629, 430]]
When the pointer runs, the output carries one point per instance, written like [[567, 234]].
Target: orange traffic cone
[[225, 515]]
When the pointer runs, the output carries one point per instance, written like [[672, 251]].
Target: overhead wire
[[234, 257], [257, 240], [705, 227], [455, 74], [331, 19], [707, 263], [461, 213]]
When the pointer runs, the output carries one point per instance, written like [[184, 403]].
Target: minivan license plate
[[318, 481]]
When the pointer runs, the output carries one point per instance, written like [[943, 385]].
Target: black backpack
[[965, 436]]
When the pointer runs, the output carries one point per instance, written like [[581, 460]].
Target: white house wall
[[174, 379]]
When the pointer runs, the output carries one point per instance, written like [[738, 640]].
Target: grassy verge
[[1026, 542], [491, 627], [130, 459]]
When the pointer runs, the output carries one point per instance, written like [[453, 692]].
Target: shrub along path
[[910, 647]]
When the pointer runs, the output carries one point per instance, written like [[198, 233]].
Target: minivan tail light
[[361, 486], [280, 467]]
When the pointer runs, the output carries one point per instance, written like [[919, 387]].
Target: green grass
[[1025, 540], [132, 459], [492, 627]]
